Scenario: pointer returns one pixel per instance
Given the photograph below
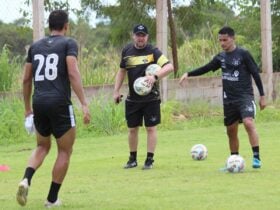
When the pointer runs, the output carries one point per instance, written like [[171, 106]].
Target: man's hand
[[86, 114], [117, 97], [29, 124], [183, 79], [262, 102]]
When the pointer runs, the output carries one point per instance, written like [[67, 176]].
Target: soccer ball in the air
[[152, 69], [199, 152], [141, 87], [235, 164]]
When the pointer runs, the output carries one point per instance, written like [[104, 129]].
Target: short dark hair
[[227, 30], [57, 19]]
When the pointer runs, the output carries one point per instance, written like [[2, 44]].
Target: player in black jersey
[[238, 68], [134, 60], [52, 66]]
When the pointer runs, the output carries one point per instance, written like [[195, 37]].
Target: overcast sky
[[10, 9]]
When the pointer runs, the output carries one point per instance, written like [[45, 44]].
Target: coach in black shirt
[[238, 68], [134, 60]]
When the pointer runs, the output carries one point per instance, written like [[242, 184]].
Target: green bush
[[12, 121], [10, 71]]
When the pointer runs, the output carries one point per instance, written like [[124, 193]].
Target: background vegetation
[[196, 28]]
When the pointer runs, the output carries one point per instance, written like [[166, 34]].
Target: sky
[[10, 9]]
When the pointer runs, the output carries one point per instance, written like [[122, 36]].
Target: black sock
[[150, 155], [52, 197], [234, 153], [133, 155], [256, 152], [29, 172]]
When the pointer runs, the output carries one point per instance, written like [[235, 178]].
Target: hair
[[57, 19], [227, 30]]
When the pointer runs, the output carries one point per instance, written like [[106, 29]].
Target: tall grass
[[9, 71], [99, 68], [12, 121], [108, 119]]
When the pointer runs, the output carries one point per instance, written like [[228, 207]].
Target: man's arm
[[254, 70], [197, 72], [27, 88], [118, 83], [76, 83]]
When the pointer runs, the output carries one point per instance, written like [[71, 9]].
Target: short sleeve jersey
[[135, 61], [49, 69], [238, 67]]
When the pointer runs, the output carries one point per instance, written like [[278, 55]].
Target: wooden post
[[266, 41], [38, 19], [161, 21]]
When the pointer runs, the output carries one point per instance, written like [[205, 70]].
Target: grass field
[[96, 179]]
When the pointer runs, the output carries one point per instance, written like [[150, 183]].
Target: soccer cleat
[[131, 163], [148, 164], [256, 163], [22, 192], [54, 204]]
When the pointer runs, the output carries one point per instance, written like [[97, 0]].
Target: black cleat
[[148, 164], [131, 163]]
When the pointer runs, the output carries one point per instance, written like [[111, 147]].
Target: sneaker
[[131, 163], [256, 163], [148, 164], [54, 204], [22, 192]]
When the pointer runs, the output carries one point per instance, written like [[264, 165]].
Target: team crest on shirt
[[236, 61], [236, 73], [145, 60]]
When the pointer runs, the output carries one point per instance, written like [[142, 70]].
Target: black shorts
[[136, 112], [237, 111], [53, 119]]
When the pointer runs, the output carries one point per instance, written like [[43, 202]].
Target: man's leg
[[65, 147], [254, 140], [151, 146], [232, 132], [133, 144], [151, 139], [35, 161]]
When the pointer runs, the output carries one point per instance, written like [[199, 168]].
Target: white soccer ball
[[235, 164], [199, 152], [152, 69], [141, 87]]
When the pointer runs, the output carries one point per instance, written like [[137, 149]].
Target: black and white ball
[[152, 69], [235, 164], [141, 87], [199, 152]]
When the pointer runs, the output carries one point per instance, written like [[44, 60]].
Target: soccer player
[[238, 68], [52, 66], [134, 60]]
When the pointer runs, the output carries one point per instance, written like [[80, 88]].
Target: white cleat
[[57, 203], [22, 192]]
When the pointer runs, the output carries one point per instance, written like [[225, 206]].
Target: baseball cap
[[140, 28]]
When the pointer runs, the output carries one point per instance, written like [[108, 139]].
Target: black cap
[[140, 28]]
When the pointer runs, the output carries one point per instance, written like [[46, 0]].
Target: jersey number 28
[[50, 62]]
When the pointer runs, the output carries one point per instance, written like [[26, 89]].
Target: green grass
[[96, 179]]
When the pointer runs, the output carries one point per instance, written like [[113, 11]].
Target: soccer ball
[[199, 152], [152, 69], [141, 87], [235, 164]]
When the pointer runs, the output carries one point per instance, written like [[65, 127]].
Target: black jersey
[[238, 68], [49, 69], [135, 62]]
